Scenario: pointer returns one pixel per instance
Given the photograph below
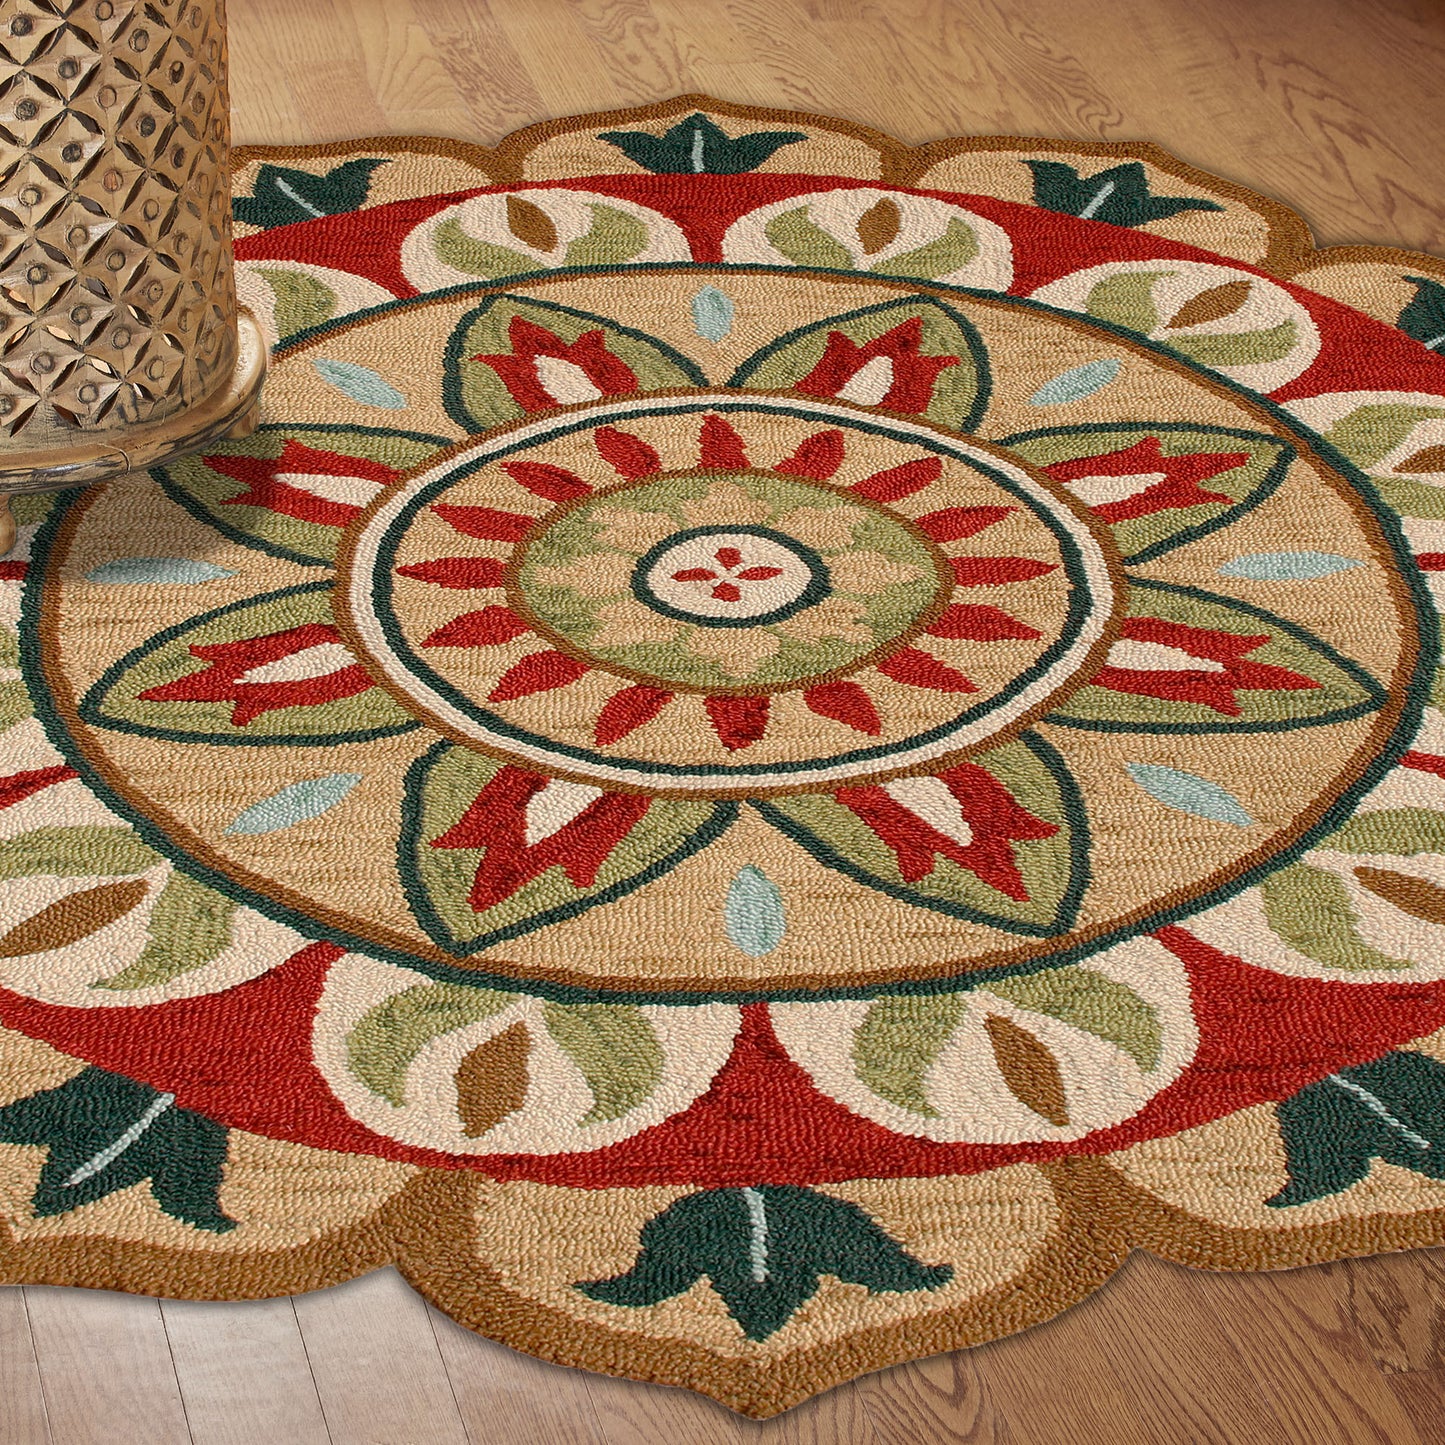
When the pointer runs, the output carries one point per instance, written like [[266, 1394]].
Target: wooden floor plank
[[22, 1400], [106, 1368], [223, 1351], [503, 1395], [376, 1365]]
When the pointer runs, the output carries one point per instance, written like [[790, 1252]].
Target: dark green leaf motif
[[283, 195], [1392, 1109], [699, 146], [764, 1249], [106, 1132], [1424, 317], [1119, 195]]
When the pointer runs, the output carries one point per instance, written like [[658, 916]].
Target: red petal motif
[[222, 681], [1180, 487], [537, 672], [496, 822], [844, 702], [627, 454], [922, 669], [954, 523], [488, 628], [628, 709], [995, 571], [901, 481], [720, 447], [263, 489], [518, 371], [19, 786], [995, 820], [976, 623], [485, 523], [1209, 688], [556, 484], [461, 572], [738, 721], [818, 457], [914, 374]]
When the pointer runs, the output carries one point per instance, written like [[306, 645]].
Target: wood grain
[[1332, 106]]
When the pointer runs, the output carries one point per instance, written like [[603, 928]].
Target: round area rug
[[780, 747]]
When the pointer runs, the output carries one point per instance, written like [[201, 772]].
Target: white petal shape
[[318, 661], [1097, 491], [870, 383], [555, 806], [1157, 657], [932, 800]]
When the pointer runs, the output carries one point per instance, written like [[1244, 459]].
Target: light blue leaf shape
[[1189, 793], [1287, 566], [1077, 383], [360, 383], [754, 912], [712, 313], [295, 804], [132, 570]]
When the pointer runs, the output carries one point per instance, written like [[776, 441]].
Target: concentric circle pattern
[[874, 740]]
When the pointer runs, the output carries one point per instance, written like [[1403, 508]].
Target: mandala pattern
[[753, 774]]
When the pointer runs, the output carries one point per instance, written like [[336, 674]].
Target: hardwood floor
[[1336, 107]]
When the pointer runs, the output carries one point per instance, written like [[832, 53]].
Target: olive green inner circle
[[576, 580]]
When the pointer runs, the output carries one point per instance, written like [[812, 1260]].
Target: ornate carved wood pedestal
[[121, 343]]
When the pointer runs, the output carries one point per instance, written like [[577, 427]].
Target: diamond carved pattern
[[117, 305]]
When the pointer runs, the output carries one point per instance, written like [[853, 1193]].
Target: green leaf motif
[[1309, 908], [614, 236], [1089, 1000], [951, 251], [1424, 317], [210, 492], [1238, 348], [477, 399], [1053, 870], [116, 700], [805, 243], [615, 1049], [1341, 688], [1242, 486], [763, 1250], [92, 849], [899, 1040], [1369, 434], [1398, 832], [302, 300], [699, 146], [283, 195], [386, 1039], [444, 783], [190, 926], [1119, 196], [1392, 1109], [105, 1132], [960, 392], [1127, 299]]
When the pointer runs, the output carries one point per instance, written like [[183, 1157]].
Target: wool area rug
[[780, 748]]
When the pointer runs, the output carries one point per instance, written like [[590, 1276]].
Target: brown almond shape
[[492, 1080], [1029, 1069], [72, 918], [1211, 305], [879, 225], [1431, 459], [530, 224], [1416, 896]]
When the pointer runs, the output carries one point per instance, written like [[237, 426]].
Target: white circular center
[[727, 576]]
